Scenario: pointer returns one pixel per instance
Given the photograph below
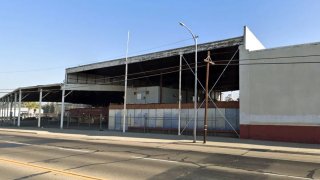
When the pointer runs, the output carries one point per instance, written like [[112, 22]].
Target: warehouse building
[[155, 82], [278, 91]]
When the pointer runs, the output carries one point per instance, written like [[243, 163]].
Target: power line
[[251, 59], [217, 63], [184, 69], [143, 72]]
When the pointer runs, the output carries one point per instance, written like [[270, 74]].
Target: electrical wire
[[217, 63], [184, 69], [223, 60], [192, 65]]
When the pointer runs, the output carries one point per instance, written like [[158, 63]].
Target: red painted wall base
[[301, 134]]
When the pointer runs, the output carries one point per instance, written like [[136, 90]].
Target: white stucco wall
[[251, 42], [280, 93]]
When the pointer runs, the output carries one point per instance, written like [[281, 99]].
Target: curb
[[164, 141]]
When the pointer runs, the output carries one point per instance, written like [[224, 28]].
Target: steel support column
[[2, 109], [161, 88], [19, 110], [40, 104], [1, 106], [180, 97], [14, 108], [62, 108], [11, 105], [8, 107]]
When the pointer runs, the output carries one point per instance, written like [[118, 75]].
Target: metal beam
[[180, 97], [14, 108], [45, 95], [11, 105], [62, 108], [40, 103], [92, 87], [8, 107], [19, 111], [2, 109], [161, 84]]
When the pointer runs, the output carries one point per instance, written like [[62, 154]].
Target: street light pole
[[195, 39], [125, 89]]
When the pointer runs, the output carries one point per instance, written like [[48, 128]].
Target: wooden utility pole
[[205, 128]]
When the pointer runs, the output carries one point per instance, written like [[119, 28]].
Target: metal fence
[[46, 122], [167, 119], [86, 121]]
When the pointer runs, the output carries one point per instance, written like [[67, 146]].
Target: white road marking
[[223, 168], [283, 175], [48, 147], [13, 142], [6, 136], [151, 159]]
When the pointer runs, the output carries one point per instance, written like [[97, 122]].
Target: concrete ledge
[[223, 104]]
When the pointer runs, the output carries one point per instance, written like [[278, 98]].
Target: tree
[[52, 108], [48, 108], [31, 105]]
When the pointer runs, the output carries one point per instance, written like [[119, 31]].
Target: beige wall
[[151, 94], [146, 95], [280, 93]]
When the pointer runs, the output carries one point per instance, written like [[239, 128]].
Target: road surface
[[40, 157]]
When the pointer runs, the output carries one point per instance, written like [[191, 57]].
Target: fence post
[[68, 120], [100, 122]]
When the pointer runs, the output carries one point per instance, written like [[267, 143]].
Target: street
[[41, 156]]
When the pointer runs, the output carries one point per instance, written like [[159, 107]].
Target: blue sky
[[40, 38]]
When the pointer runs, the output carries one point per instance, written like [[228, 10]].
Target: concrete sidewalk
[[212, 142]]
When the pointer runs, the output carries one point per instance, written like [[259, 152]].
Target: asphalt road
[[40, 157]]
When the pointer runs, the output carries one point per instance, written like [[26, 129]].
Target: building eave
[[157, 55]]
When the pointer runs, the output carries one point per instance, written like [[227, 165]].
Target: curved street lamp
[[195, 80]]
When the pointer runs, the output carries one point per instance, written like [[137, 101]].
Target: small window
[[139, 96]]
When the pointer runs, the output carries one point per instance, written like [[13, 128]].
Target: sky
[[39, 39]]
